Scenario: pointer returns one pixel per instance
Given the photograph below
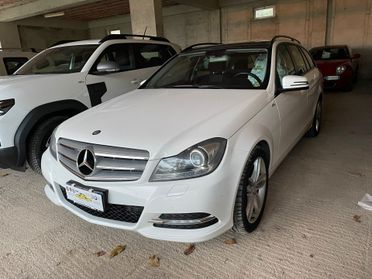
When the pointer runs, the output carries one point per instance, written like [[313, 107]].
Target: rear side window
[[121, 54], [298, 59], [284, 63], [151, 55], [12, 64]]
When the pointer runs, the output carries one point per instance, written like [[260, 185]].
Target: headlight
[[53, 144], [6, 105], [198, 160], [340, 69]]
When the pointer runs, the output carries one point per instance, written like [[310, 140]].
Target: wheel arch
[[36, 116]]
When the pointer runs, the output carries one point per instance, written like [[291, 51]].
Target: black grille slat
[[123, 213]]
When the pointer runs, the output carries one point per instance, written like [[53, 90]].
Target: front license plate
[[332, 78], [86, 197]]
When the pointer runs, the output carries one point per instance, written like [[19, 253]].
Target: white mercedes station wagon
[[188, 155]]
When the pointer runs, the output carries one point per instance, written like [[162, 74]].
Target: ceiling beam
[[204, 4], [38, 7]]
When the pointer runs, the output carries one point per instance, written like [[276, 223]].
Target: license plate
[[85, 196], [332, 78]]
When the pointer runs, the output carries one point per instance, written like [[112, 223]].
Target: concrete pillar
[[146, 15]]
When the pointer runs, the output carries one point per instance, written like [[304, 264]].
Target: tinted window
[[59, 60], [284, 64], [151, 55], [298, 60], [121, 54], [330, 53], [240, 69], [12, 64]]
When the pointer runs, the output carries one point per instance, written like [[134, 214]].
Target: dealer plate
[[86, 197]]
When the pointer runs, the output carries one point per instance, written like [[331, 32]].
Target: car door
[[292, 105], [136, 62], [103, 86], [314, 78]]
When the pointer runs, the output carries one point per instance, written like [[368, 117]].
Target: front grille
[[123, 213], [111, 163]]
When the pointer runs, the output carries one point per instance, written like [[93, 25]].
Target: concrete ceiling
[[103, 9], [86, 10]]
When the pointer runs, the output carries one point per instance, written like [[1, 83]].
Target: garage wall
[[39, 33], [302, 19], [352, 24], [9, 36]]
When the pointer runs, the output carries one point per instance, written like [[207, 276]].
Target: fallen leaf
[[311, 255], [118, 249], [3, 174], [230, 241], [100, 253], [356, 218], [154, 261], [189, 249]]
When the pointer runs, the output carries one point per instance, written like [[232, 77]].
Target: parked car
[[338, 65], [65, 80], [12, 59], [188, 155]]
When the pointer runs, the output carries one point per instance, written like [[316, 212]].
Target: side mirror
[[108, 67], [292, 82], [356, 56]]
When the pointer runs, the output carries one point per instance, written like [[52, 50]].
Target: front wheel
[[252, 192], [39, 140]]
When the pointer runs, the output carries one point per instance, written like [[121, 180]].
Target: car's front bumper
[[213, 194]]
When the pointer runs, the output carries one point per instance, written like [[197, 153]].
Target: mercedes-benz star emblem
[[86, 162]]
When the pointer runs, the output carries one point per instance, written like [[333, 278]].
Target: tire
[[39, 139], [247, 213], [317, 120]]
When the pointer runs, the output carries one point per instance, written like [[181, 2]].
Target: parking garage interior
[[313, 226]]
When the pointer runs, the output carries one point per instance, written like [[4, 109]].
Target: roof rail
[[200, 44], [285, 37], [125, 36]]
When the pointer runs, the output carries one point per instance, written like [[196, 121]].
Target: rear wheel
[[317, 120], [252, 192], [39, 140]]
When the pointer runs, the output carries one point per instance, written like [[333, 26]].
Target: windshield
[[231, 69], [61, 60], [330, 53]]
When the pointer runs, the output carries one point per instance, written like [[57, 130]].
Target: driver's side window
[[284, 64], [121, 54]]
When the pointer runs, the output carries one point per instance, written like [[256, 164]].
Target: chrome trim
[[112, 163]]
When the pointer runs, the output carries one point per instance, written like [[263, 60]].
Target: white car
[[65, 80], [188, 155]]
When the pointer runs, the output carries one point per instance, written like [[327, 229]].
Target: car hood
[[165, 121], [12, 85]]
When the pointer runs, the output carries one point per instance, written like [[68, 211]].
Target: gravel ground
[[312, 227]]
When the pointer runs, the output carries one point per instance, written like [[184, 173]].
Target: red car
[[338, 66]]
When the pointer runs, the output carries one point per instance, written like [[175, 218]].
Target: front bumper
[[213, 194], [9, 158]]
